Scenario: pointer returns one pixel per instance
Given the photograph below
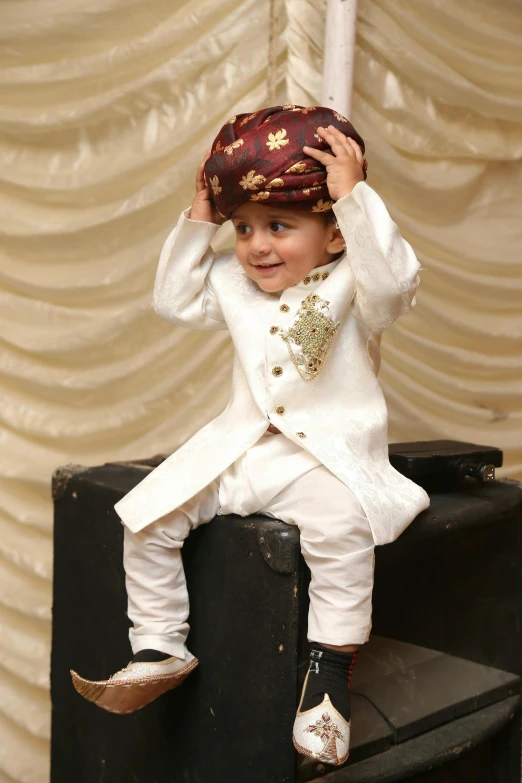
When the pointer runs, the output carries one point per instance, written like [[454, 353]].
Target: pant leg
[[337, 545], [155, 579]]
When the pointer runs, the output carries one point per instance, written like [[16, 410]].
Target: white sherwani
[[339, 415]]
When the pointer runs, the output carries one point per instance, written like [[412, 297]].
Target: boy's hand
[[202, 207], [344, 168]]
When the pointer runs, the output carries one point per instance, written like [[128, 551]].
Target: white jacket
[[339, 415]]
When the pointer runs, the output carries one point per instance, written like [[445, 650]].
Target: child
[[318, 272]]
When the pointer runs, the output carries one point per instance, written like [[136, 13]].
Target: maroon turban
[[259, 157]]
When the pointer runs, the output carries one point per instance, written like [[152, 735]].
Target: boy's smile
[[278, 246]]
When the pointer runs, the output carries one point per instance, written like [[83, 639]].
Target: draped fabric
[[438, 99], [106, 109]]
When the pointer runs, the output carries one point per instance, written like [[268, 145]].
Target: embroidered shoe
[[322, 733], [136, 685]]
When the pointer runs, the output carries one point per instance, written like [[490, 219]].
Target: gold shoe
[[136, 685], [322, 733]]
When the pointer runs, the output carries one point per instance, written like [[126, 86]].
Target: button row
[[277, 371], [280, 410], [316, 277]]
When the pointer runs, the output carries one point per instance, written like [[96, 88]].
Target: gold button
[[300, 434], [274, 329], [284, 308], [277, 371], [307, 280], [280, 409], [316, 277], [325, 275]]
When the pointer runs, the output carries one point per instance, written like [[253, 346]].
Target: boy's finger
[[335, 139], [353, 142], [203, 194], [200, 178], [349, 148], [323, 157], [202, 164], [327, 134], [358, 151], [346, 141], [335, 133]]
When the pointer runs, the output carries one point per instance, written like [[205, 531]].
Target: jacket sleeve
[[384, 264], [182, 291]]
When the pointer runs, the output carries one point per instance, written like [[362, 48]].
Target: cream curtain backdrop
[[105, 110]]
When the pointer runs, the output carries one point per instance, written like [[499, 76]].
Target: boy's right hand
[[202, 207]]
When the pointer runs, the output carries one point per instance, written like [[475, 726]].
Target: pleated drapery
[[106, 109]]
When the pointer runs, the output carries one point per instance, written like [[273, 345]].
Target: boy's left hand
[[344, 168]]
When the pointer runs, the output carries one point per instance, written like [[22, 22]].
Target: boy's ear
[[336, 243]]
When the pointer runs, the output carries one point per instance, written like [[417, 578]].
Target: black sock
[[330, 672], [150, 656]]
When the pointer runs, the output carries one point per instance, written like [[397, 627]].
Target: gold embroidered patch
[[251, 181], [310, 337], [296, 168], [234, 146], [277, 140], [214, 184], [322, 206], [328, 732], [247, 119]]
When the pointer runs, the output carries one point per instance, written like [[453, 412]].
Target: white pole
[[339, 55]]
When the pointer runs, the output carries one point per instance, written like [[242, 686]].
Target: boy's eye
[[277, 227], [242, 228]]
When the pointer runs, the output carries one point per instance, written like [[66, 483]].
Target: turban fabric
[[259, 157]]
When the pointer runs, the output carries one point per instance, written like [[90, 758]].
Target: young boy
[[318, 272]]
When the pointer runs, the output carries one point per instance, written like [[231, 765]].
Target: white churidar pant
[[275, 478]]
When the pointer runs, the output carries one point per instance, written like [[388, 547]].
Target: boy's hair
[[259, 157], [329, 217]]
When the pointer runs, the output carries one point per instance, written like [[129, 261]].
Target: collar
[[317, 276]]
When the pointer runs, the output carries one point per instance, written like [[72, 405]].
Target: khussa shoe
[[321, 731], [136, 685]]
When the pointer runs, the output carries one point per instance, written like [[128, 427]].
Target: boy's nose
[[259, 245]]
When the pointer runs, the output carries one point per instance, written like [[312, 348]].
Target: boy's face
[[278, 246]]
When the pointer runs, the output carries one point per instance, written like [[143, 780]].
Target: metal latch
[[482, 472]]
